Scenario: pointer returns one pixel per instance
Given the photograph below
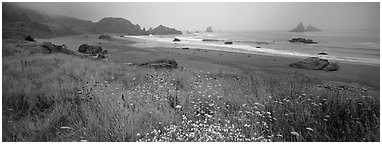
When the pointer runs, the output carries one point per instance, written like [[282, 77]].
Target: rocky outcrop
[[162, 30], [52, 48], [315, 63], [322, 53], [302, 40], [117, 25], [161, 63], [209, 29], [331, 67], [301, 28], [107, 37], [211, 40], [91, 49], [29, 38], [176, 40]]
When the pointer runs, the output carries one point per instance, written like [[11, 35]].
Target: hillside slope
[[19, 22]]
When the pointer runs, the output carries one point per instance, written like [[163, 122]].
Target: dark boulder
[[101, 56], [228, 42], [312, 63], [315, 63], [331, 67], [302, 40], [107, 37], [90, 49], [176, 40], [161, 63], [309, 41], [210, 40], [52, 48], [322, 53], [29, 38], [262, 42]]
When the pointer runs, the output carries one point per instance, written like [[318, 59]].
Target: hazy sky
[[226, 16]]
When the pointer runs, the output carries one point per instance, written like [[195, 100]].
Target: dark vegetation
[[60, 97], [161, 63]]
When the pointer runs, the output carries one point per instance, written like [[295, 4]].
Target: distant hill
[[117, 25], [162, 30], [19, 22], [301, 28]]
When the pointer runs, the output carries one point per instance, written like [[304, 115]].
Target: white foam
[[240, 48]]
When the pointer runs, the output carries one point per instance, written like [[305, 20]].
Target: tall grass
[[60, 97]]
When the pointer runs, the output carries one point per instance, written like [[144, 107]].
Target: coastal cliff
[[117, 25], [163, 30]]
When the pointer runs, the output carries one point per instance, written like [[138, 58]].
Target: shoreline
[[124, 51], [143, 42]]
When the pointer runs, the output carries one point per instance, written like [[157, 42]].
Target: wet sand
[[123, 51]]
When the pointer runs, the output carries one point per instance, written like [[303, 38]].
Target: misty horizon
[[191, 72], [224, 16]]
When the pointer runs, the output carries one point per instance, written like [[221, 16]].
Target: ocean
[[361, 46]]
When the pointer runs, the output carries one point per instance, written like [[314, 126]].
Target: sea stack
[[301, 28], [209, 29], [311, 28]]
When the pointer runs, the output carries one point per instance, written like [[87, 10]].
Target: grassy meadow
[[60, 97]]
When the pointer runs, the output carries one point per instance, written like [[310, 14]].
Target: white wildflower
[[294, 133]]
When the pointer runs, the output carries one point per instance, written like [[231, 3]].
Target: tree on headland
[[209, 29]]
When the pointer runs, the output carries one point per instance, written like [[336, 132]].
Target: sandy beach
[[124, 51]]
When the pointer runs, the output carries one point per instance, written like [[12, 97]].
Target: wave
[[371, 44], [192, 42]]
